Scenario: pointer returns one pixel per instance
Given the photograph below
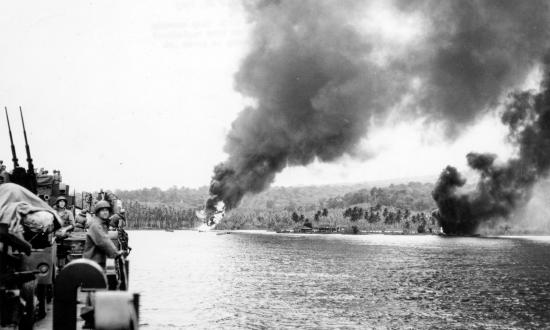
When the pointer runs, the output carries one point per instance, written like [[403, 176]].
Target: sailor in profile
[[118, 222]]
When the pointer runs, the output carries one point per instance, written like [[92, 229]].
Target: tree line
[[413, 196], [378, 217], [143, 216], [352, 219], [396, 206]]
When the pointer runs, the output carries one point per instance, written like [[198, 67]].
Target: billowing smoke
[[477, 50], [318, 77], [315, 92], [504, 188]]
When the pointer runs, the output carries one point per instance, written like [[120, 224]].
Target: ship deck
[[47, 322]]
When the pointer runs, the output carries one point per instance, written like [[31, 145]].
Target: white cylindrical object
[[114, 310]]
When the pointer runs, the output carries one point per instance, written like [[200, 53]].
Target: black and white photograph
[[274, 164]]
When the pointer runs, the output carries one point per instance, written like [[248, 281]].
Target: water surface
[[264, 280]]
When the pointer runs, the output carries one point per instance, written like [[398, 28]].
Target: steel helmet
[[102, 205], [59, 199]]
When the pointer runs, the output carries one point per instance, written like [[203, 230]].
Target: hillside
[[413, 195]]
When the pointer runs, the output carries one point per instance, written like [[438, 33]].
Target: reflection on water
[[258, 280]]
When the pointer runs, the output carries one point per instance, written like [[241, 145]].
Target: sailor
[[65, 215], [4, 175], [118, 222], [98, 246], [101, 195], [81, 221]]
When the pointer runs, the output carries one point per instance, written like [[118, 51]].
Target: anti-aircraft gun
[[28, 264], [51, 186], [19, 175], [47, 186]]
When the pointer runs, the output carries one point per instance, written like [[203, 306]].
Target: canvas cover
[[16, 202]]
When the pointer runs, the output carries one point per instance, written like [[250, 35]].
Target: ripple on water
[[260, 280]]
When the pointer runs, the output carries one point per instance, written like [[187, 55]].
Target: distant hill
[[381, 205], [275, 197], [178, 197], [301, 197], [397, 193]]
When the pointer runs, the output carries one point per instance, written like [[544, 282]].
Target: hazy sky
[[131, 94]]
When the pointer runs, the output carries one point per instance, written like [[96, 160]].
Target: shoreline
[[251, 231]]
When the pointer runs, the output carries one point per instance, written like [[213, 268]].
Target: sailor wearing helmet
[[65, 215], [98, 246]]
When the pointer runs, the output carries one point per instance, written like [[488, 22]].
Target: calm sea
[[260, 280]]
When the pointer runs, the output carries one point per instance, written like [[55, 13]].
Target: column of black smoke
[[501, 188], [316, 89]]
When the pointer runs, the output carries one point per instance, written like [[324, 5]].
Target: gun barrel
[[14, 155], [27, 148]]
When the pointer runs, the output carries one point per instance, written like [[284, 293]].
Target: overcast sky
[[132, 94]]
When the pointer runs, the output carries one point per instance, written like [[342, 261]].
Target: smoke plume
[[477, 51], [501, 189], [318, 78]]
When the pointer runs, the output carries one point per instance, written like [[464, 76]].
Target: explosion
[[211, 216], [319, 79], [501, 189]]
